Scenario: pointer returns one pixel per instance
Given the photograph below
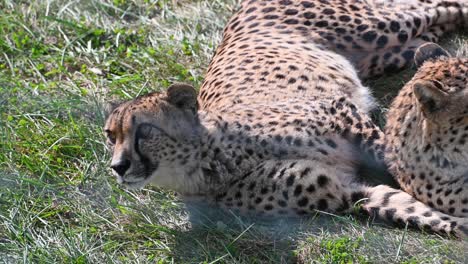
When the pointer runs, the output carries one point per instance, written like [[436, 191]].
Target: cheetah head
[[153, 138], [441, 86]]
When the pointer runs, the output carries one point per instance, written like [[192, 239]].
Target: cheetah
[[281, 123], [426, 135]]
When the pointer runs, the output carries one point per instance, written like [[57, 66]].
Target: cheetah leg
[[300, 187], [292, 187], [389, 44], [399, 207], [396, 58], [359, 128]]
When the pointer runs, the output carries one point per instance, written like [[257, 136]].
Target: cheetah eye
[[110, 137]]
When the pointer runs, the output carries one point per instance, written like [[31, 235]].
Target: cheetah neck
[[222, 158], [432, 140]]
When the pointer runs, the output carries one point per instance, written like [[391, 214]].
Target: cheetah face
[[441, 86], [151, 138]]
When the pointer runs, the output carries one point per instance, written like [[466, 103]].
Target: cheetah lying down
[[281, 123]]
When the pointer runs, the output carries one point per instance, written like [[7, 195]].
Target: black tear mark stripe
[[121, 117], [147, 164]]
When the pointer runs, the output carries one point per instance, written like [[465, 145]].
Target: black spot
[[331, 143], [417, 22], [268, 9], [250, 10], [290, 180], [344, 18], [291, 12], [321, 23], [233, 26], [285, 2], [307, 4], [291, 21], [340, 30], [305, 172], [303, 202], [309, 15], [348, 38], [369, 36], [271, 17], [374, 211], [272, 173], [298, 190], [282, 203], [410, 210], [322, 180], [435, 222], [361, 28], [402, 36], [408, 55], [322, 205], [389, 213], [311, 188], [427, 214], [344, 206], [413, 220], [386, 198], [324, 152], [381, 25], [382, 41], [394, 26], [280, 76], [250, 18], [328, 11]]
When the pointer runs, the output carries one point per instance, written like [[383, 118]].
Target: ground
[[59, 62]]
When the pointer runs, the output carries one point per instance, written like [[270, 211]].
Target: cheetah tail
[[399, 207]]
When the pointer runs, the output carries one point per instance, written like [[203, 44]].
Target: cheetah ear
[[430, 96], [183, 96], [111, 106], [429, 51]]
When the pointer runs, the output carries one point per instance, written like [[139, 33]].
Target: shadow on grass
[[218, 235]]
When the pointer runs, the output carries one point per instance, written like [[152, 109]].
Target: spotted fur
[[427, 133], [281, 125]]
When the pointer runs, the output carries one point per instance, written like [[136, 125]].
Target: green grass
[[59, 63]]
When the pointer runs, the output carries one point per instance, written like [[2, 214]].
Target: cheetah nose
[[121, 167]]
